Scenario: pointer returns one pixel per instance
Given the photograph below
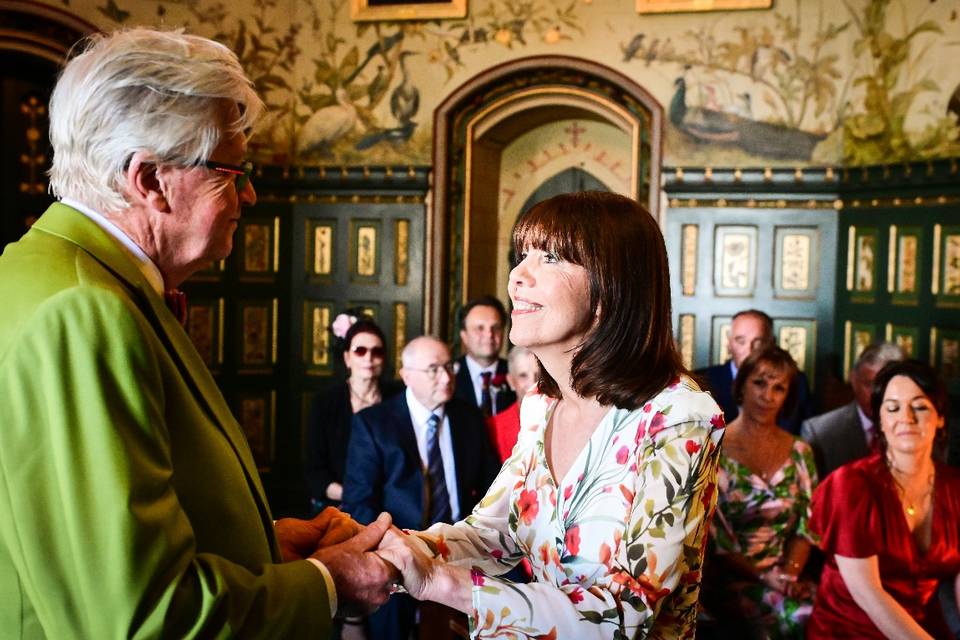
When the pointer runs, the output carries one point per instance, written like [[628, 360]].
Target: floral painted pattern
[[616, 546], [755, 519]]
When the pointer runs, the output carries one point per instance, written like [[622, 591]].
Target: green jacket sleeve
[[100, 541]]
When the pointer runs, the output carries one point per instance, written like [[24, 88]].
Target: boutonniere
[[499, 383]]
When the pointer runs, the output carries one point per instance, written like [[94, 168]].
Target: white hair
[[161, 92], [513, 357]]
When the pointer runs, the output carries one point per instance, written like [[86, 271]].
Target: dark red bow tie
[[177, 302]]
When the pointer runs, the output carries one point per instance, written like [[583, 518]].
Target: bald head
[[428, 371]]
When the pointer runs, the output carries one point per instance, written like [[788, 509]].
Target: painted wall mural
[[806, 82]]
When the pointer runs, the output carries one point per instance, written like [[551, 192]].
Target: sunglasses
[[241, 173], [375, 352]]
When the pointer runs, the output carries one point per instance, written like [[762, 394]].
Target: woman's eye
[[551, 258], [920, 407], [892, 408]]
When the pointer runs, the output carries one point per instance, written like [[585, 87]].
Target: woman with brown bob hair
[[610, 488]]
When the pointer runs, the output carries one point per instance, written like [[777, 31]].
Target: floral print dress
[[755, 519], [616, 546]]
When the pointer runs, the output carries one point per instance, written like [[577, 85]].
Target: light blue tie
[[439, 498]]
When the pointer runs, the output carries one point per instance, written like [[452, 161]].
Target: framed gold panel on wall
[[946, 265], [735, 260], [258, 336], [365, 250], [256, 412], [857, 336], [317, 341], [863, 244], [719, 348], [377, 10], [903, 269], [679, 6], [367, 307], [797, 253], [259, 249], [798, 336], [205, 328], [907, 338], [945, 352], [320, 253]]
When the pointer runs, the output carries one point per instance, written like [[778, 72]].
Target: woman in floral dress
[[610, 489], [760, 537]]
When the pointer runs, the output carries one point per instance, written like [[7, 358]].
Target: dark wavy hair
[[629, 355], [483, 301], [779, 359], [924, 376], [363, 325]]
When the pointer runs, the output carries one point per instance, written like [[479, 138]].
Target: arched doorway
[[502, 136], [33, 44]]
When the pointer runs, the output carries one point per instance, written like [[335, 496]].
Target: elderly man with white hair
[[133, 505]]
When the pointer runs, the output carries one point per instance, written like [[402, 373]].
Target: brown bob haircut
[[779, 360], [629, 354]]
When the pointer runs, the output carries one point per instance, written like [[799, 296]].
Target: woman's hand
[[408, 554], [426, 577], [779, 580]]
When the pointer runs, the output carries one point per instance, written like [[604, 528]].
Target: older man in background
[[132, 502], [850, 433]]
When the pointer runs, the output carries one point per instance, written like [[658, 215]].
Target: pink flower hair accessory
[[341, 324]]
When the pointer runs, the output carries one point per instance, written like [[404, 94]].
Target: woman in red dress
[[889, 524]]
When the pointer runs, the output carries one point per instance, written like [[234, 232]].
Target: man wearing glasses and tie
[[133, 505], [422, 456]]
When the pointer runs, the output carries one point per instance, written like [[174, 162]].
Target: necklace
[[365, 401], [909, 506]]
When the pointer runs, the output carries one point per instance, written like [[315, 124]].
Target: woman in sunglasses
[[328, 425]]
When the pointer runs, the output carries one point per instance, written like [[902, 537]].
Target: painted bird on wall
[[327, 125], [713, 126], [405, 99]]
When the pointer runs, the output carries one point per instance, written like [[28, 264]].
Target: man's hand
[[363, 580], [300, 538]]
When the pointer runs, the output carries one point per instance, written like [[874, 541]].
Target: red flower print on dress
[[657, 424], [576, 595], [692, 446], [568, 492], [496, 553], [476, 577], [641, 431], [605, 554], [623, 454], [548, 636], [572, 540], [528, 505], [717, 421], [442, 548]]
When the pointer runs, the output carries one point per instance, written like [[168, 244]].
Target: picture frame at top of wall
[[679, 6], [374, 10]]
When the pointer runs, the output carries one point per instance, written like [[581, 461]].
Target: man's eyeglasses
[[434, 370], [375, 352], [241, 173]]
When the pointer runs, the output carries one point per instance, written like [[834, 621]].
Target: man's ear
[[144, 184]]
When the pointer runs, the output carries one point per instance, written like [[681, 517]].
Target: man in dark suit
[[423, 456], [848, 433], [481, 372], [748, 330]]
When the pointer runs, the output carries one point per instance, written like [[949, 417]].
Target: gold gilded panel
[[257, 416], [316, 349], [256, 336], [401, 260], [687, 339], [951, 265], [322, 250], [366, 251], [795, 262], [257, 247], [735, 261], [399, 332], [906, 281], [688, 268]]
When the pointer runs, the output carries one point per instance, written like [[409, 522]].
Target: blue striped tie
[[439, 498]]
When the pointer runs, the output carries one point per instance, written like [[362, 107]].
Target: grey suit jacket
[[836, 437]]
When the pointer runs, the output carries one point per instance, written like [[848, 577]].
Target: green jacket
[[130, 505]]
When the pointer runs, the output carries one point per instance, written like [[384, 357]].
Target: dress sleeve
[[806, 483], [844, 515], [658, 557]]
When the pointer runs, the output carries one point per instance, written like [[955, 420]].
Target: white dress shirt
[[476, 370], [420, 416]]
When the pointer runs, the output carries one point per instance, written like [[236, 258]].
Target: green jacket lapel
[[73, 226]]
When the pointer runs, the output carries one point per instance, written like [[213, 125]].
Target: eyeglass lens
[[376, 352]]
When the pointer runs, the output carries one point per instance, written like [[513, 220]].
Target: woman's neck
[[910, 466], [363, 387], [752, 424]]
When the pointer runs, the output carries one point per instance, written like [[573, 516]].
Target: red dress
[[857, 513]]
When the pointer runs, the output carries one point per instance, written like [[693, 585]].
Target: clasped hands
[[364, 580]]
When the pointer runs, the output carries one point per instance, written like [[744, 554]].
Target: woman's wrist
[[450, 585]]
